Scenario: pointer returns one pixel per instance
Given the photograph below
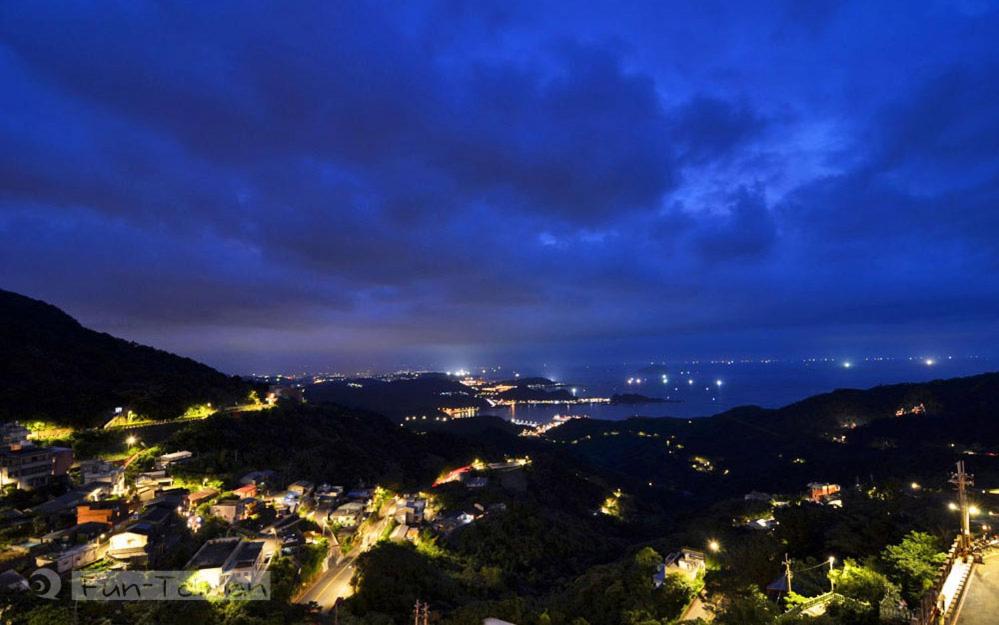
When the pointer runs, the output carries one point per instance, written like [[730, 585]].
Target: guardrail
[[931, 606], [818, 600]]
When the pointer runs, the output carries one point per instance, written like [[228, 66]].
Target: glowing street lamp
[[131, 440], [714, 546]]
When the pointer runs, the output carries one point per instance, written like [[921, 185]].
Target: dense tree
[[913, 563], [57, 371], [861, 583], [623, 594], [748, 607]]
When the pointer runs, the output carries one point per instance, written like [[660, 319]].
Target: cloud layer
[[331, 184]]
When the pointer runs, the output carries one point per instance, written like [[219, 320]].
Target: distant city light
[[718, 382], [690, 381], [930, 362], [847, 364], [952, 506], [915, 486], [973, 510]]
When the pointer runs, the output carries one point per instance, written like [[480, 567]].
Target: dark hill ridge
[[965, 404], [424, 394], [54, 369], [839, 436]]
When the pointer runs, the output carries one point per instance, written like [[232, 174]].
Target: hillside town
[[110, 515]]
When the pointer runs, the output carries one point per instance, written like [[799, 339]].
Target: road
[[980, 605], [698, 610], [331, 585], [335, 582]]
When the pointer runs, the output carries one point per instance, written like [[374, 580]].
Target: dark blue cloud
[[264, 184]]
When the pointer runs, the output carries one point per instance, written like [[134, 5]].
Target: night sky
[[287, 185]]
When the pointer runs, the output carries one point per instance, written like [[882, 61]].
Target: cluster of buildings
[[98, 515], [104, 521]]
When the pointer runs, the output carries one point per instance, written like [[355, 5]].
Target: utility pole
[[962, 480], [421, 613], [787, 572]]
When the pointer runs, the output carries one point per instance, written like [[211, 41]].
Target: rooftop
[[213, 553], [247, 554]]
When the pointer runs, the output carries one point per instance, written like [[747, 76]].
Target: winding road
[[334, 583]]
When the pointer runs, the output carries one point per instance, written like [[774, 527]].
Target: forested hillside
[[54, 369]]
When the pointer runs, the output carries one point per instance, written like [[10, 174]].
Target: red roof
[[246, 491]]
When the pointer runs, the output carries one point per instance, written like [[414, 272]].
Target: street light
[[952, 506], [714, 546], [915, 486], [131, 440]]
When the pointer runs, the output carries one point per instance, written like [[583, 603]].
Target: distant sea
[[694, 388]]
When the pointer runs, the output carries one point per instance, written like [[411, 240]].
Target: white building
[[100, 471], [349, 514], [167, 459], [13, 433], [228, 560], [72, 558], [131, 543]]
